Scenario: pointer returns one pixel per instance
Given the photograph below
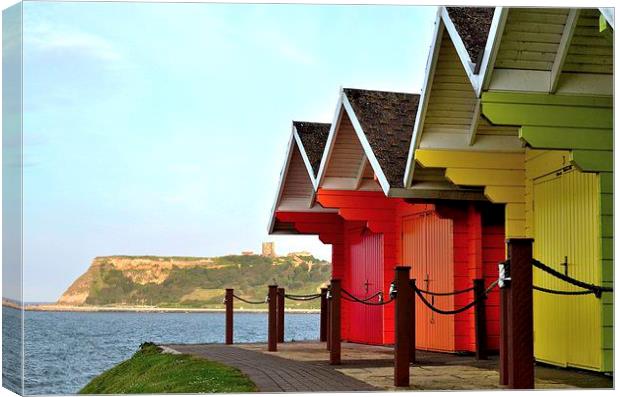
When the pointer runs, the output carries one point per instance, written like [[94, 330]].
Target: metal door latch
[[504, 274], [392, 290], [565, 265]]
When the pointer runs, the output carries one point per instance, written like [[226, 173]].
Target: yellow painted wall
[[572, 210], [501, 174]]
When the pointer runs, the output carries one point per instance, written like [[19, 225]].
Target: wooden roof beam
[[560, 56], [473, 127], [360, 172]]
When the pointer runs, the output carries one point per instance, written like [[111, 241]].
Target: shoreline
[[146, 309]]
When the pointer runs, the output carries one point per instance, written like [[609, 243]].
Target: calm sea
[[64, 351]]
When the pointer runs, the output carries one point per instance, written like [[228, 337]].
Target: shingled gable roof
[[473, 25], [387, 120], [382, 122], [313, 138], [307, 139]]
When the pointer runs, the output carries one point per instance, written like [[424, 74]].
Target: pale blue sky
[[161, 128]]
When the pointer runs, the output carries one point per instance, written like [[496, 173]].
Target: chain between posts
[[458, 292], [459, 310], [249, 302], [366, 301], [302, 297], [559, 292], [597, 290]]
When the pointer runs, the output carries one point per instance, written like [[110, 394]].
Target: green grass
[[151, 371]]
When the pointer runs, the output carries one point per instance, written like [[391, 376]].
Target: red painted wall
[[367, 243]]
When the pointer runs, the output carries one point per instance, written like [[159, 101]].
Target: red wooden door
[[366, 278], [428, 249]]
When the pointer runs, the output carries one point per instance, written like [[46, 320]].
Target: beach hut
[[295, 210], [436, 227], [519, 102]]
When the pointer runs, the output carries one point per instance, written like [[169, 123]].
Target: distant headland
[[189, 284]]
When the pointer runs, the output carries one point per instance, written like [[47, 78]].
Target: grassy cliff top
[[151, 371]]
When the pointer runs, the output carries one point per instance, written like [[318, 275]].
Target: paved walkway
[[271, 373], [303, 367]]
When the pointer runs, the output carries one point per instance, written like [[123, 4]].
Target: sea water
[[65, 350]]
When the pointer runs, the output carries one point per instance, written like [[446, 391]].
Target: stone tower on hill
[[269, 249]]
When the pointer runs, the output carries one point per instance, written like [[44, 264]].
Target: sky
[[161, 129]]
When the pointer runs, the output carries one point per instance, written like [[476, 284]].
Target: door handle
[[565, 265]]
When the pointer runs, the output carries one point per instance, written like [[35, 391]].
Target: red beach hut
[[448, 235]]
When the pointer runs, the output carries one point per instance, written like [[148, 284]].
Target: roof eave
[[468, 65], [361, 135], [490, 50], [331, 137], [424, 97], [283, 174], [304, 155]]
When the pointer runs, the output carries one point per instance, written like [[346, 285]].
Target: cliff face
[[191, 282]]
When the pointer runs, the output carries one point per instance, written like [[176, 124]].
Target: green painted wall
[[583, 125]]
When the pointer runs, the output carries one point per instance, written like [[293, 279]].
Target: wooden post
[[519, 316], [229, 315], [402, 324], [280, 319], [412, 323], [334, 352], [272, 337], [328, 326], [480, 320], [323, 326], [503, 337]]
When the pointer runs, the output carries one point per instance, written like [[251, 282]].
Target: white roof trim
[[283, 174], [608, 14], [431, 62], [370, 155], [327, 152], [490, 50], [304, 156], [468, 65]]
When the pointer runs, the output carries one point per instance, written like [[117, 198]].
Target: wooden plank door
[[366, 278], [428, 248], [440, 270], [550, 247], [374, 283], [414, 256]]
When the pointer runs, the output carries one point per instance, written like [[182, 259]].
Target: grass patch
[[151, 371]]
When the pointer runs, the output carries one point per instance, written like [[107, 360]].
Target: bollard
[[323, 326], [334, 312], [480, 320], [412, 324], [328, 326], [229, 315], [272, 337], [280, 319], [402, 323], [519, 316], [503, 337]]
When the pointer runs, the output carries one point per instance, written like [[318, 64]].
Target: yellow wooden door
[[584, 332], [567, 329]]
